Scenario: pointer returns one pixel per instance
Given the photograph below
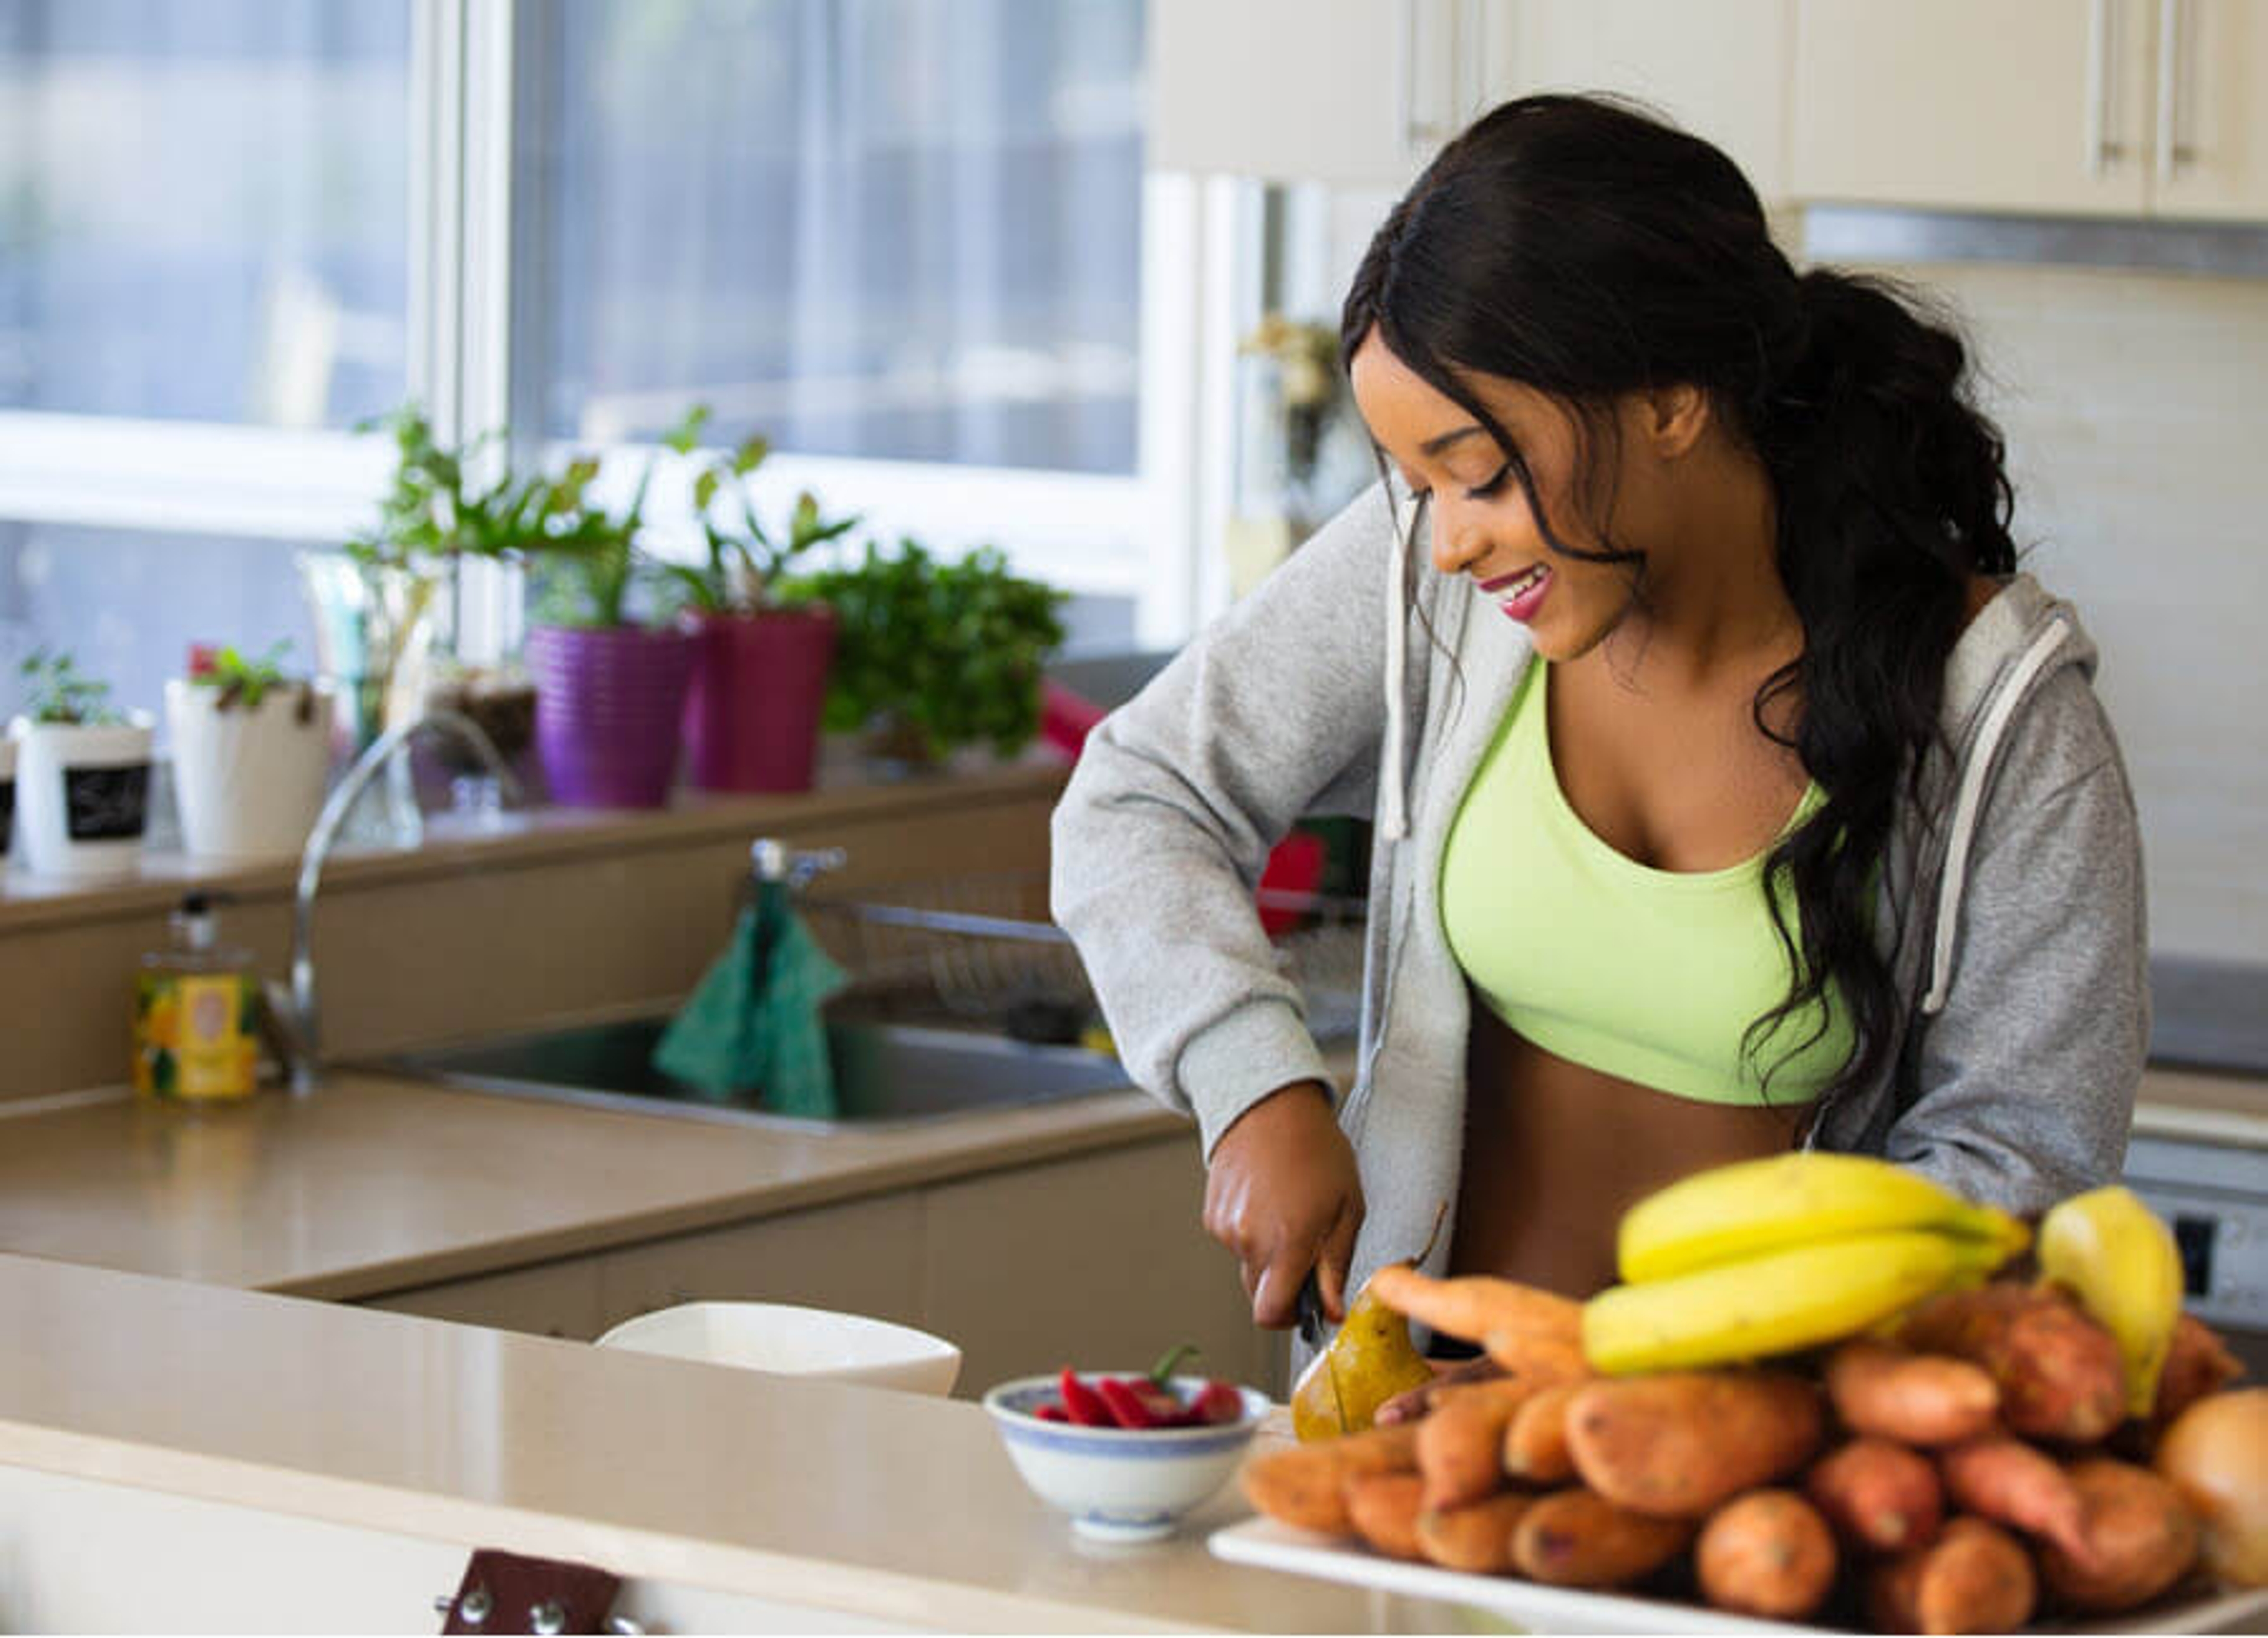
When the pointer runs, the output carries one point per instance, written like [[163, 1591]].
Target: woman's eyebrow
[[1435, 446]]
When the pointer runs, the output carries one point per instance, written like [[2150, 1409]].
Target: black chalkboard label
[[7, 813], [106, 804]]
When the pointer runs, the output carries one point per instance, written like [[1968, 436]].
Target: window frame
[[1134, 535]]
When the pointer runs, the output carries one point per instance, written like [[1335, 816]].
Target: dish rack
[[979, 947]]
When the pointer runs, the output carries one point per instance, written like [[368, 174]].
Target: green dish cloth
[[753, 1024]]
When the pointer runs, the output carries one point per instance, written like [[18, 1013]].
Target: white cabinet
[[1720, 67], [2107, 107], [1354, 92], [1363, 92]]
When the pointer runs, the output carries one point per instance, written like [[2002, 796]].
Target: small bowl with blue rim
[[1120, 1484]]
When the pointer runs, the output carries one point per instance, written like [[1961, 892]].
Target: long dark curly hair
[[1585, 249]]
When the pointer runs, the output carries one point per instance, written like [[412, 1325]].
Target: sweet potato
[[1891, 1392], [1384, 1508], [1476, 1537], [2008, 1481], [1767, 1554], [2059, 1373], [1579, 1538], [1881, 1497], [1676, 1444], [2197, 1362], [2140, 1538], [1973, 1578], [1461, 1441], [1305, 1485], [1473, 1305], [1536, 1440]]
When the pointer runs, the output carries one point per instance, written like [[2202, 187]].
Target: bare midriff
[[1555, 1151]]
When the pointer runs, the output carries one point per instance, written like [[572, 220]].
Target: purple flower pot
[[609, 706], [752, 716]]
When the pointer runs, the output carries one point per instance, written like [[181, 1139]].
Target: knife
[[1314, 1329]]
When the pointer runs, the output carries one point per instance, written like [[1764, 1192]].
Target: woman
[[1732, 792]]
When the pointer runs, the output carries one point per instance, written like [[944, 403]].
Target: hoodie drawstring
[[1394, 806], [1971, 800]]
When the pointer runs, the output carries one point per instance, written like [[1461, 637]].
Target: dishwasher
[[2212, 1017]]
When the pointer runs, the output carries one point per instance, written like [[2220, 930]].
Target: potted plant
[[931, 656], [760, 675], [82, 768], [251, 749], [609, 690]]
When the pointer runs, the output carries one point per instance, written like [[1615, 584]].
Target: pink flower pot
[[752, 715], [609, 708]]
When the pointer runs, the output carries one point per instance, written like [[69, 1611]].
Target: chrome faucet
[[295, 1012]]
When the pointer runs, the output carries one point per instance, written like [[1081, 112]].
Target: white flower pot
[[249, 783], [7, 796], [82, 795]]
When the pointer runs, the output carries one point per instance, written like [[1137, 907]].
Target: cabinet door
[[557, 1299], [2023, 105], [2210, 136], [861, 1256], [1720, 67], [1099, 1261], [1354, 92]]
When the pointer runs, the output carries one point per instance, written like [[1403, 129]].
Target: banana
[[1778, 1301], [2120, 1261], [1732, 1212]]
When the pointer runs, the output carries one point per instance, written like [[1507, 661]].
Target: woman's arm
[[2027, 1078], [1275, 711]]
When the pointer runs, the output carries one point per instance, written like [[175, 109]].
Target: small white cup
[[83, 795]]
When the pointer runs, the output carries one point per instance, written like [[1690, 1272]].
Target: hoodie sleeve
[[2026, 1079], [1277, 711]]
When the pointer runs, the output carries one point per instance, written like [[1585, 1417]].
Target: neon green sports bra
[[1653, 975]]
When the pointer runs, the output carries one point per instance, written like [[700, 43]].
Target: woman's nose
[[1457, 544]]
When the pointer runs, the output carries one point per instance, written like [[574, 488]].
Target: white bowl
[[1120, 1484], [791, 1341]]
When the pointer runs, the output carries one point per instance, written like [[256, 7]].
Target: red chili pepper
[[1051, 1413], [1218, 1401], [1083, 1405], [1128, 1407]]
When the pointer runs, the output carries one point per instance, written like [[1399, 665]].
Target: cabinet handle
[[1415, 130], [2172, 152], [2101, 151]]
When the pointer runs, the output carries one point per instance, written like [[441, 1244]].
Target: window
[[202, 209], [903, 230], [910, 241]]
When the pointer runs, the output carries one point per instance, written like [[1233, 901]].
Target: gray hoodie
[[2011, 908]]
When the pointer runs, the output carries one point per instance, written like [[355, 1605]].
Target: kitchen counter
[[372, 1183], [856, 1502]]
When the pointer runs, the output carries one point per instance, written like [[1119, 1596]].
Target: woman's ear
[[1673, 417]]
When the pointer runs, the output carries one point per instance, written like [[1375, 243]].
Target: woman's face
[[1483, 525]]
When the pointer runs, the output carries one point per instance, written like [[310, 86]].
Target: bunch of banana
[[1767, 1257], [2115, 1255]]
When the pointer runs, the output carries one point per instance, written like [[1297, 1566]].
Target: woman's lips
[[1521, 595]]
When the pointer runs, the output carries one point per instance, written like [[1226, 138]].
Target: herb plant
[[950, 652], [245, 682], [744, 563], [592, 563], [58, 693]]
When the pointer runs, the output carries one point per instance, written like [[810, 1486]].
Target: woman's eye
[[1483, 491]]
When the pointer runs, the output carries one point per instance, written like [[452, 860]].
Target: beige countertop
[[373, 1183], [871, 1503]]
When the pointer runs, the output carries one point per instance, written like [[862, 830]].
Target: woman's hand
[[1283, 1194], [1408, 1406]]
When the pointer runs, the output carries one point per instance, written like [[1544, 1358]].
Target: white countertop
[[877, 1504]]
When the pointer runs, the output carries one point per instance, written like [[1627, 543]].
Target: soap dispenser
[[196, 1014]]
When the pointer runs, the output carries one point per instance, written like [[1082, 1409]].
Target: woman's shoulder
[[2020, 690]]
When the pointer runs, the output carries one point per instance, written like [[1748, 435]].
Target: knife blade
[[1315, 1328]]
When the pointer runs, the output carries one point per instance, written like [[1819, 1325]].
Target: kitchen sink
[[886, 1073]]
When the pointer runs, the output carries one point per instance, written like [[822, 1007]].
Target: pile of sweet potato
[[1970, 1470]]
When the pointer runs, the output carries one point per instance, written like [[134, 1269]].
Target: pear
[[1367, 1363]]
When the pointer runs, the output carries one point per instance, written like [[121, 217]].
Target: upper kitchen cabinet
[[1363, 92], [2111, 107], [1717, 67], [1359, 92]]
